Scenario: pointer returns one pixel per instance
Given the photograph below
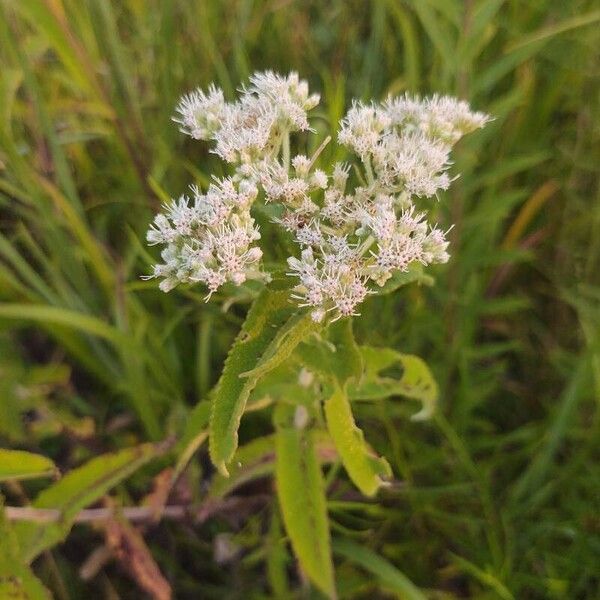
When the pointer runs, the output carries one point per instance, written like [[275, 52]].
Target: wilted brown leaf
[[159, 495]]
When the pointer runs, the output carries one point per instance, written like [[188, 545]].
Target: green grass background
[[499, 494]]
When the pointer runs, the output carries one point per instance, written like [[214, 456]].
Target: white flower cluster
[[352, 238], [208, 237], [405, 143], [268, 109]]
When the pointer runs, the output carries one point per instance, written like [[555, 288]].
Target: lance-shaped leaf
[[18, 464], [271, 332], [301, 493], [296, 329], [367, 470], [76, 490], [17, 580], [339, 360], [415, 380]]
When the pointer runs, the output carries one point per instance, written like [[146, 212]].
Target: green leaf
[[196, 431], [337, 358], [301, 493], [296, 329], [42, 16], [536, 473], [366, 469], [346, 360], [399, 279], [269, 335], [17, 580], [256, 459], [253, 460], [280, 384], [486, 577], [54, 315], [18, 464], [76, 490], [554, 29], [388, 576], [415, 381]]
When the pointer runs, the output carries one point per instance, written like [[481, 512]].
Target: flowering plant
[[360, 228]]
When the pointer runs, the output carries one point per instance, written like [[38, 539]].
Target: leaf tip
[[424, 414], [222, 468]]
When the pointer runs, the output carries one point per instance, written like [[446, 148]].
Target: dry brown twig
[[196, 513]]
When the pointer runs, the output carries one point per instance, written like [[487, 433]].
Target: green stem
[[369, 170], [285, 151], [366, 245]]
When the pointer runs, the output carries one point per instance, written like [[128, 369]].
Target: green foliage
[[256, 459], [339, 361], [416, 380], [194, 434], [301, 493], [365, 469], [336, 358], [270, 333], [17, 464], [414, 274], [76, 490], [391, 579], [17, 580], [253, 460], [493, 496]]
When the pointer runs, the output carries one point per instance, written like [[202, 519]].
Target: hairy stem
[[369, 170], [366, 245], [285, 151]]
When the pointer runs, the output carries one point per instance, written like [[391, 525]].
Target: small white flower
[[340, 175], [301, 165], [362, 128], [200, 113], [412, 162], [289, 96], [319, 179], [435, 246], [246, 131], [209, 240], [309, 235], [439, 117]]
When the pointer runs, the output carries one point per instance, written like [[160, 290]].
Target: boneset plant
[[360, 228]]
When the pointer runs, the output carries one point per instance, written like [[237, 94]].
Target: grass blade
[[18, 464], [388, 576]]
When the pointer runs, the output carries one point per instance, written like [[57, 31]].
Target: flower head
[[200, 113], [352, 233], [440, 117]]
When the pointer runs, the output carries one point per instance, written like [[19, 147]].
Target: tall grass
[[497, 494]]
